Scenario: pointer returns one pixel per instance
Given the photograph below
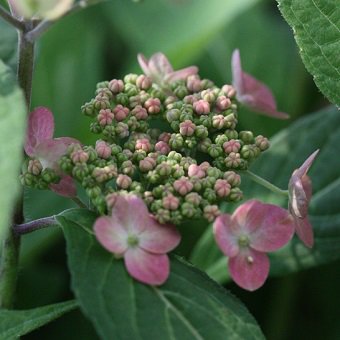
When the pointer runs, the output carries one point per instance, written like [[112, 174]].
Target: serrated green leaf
[[288, 150], [12, 131], [188, 306], [15, 323], [316, 26]]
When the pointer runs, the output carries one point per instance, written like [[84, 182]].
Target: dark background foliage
[[101, 43]]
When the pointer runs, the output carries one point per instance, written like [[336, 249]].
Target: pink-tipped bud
[[164, 137], [210, 212], [140, 113], [162, 147], [222, 188], [111, 200], [233, 160], [262, 143], [170, 202], [105, 117], [143, 144], [79, 156], [190, 99], [147, 164], [124, 181], [116, 86], [103, 149], [120, 112], [201, 107], [187, 128], [231, 146], [194, 83], [34, 167], [218, 122], [195, 170], [205, 166], [143, 82], [193, 198], [229, 91], [183, 186], [100, 175], [232, 178], [153, 105], [223, 103]]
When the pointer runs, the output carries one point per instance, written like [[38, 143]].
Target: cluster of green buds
[[174, 144]]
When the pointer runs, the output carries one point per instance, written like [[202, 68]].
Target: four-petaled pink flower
[[253, 93], [131, 232], [40, 144], [246, 236], [159, 69], [300, 192]]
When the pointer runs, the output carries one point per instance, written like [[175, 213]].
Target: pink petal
[[159, 64], [298, 200], [224, 232], [274, 230], [111, 234], [253, 93], [303, 169], [49, 152], [159, 238], [305, 231], [40, 128], [181, 74], [66, 187], [249, 269], [132, 213], [144, 64], [152, 269]]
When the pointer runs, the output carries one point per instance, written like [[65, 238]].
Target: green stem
[[10, 19], [266, 184], [79, 202], [10, 249]]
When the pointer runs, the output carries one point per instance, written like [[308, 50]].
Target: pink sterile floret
[[245, 237], [162, 147], [300, 192], [40, 144], [231, 146], [120, 112], [183, 186], [195, 170], [201, 107], [251, 92], [159, 69], [143, 144], [187, 128], [131, 232]]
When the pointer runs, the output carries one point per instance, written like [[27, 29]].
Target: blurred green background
[[101, 43]]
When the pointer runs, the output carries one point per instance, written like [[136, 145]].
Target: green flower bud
[[176, 217], [204, 145], [153, 177], [91, 152], [102, 84], [27, 179], [190, 142], [88, 182], [80, 171], [104, 91], [131, 90], [49, 176], [181, 91], [177, 171], [164, 169], [215, 150], [201, 132], [128, 168], [175, 156], [205, 120], [210, 195], [41, 184], [231, 134], [65, 164], [208, 182], [221, 139], [175, 125], [247, 137], [109, 132], [96, 128], [163, 216], [130, 78], [100, 203], [262, 142], [88, 109], [193, 198], [230, 121], [188, 210], [172, 115], [93, 192], [214, 172], [176, 141], [116, 149], [219, 162], [122, 98], [235, 195], [156, 205]]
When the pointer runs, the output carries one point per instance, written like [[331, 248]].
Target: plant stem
[[25, 66], [10, 19], [266, 184], [25, 228], [41, 28], [10, 249], [79, 202]]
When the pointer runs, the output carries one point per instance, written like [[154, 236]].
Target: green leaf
[[8, 44], [15, 323], [12, 132], [289, 149], [188, 306], [316, 26]]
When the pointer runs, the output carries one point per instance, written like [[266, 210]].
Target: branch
[[41, 28], [10, 19], [25, 228]]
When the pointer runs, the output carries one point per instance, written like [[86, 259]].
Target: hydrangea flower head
[[159, 69], [251, 92], [131, 232], [41, 145], [246, 236], [300, 192]]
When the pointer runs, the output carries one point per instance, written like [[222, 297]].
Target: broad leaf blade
[[12, 132], [288, 150], [15, 323], [188, 306], [316, 26]]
